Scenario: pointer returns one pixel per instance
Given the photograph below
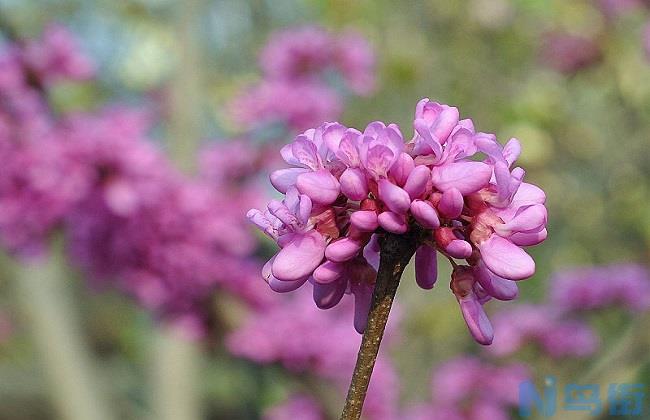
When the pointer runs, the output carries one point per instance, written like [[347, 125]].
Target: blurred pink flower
[[568, 53], [589, 288], [310, 53], [296, 407], [57, 56], [467, 388], [545, 327], [296, 105], [301, 339]]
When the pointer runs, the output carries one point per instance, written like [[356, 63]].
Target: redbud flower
[[56, 56], [348, 186], [311, 53], [590, 288], [468, 388], [547, 328]]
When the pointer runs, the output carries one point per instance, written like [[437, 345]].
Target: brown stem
[[395, 253]]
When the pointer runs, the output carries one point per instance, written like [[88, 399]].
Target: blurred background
[[135, 135]]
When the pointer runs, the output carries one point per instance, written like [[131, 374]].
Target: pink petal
[[395, 198], [342, 250], [282, 179], [392, 222], [506, 259], [467, 177], [494, 285], [281, 286], [378, 160], [402, 168], [445, 123], [459, 248], [321, 186], [511, 151], [364, 220], [529, 238], [306, 153], [426, 266], [347, 150], [451, 203], [527, 219], [332, 136], [326, 296], [328, 272], [416, 184], [354, 184], [477, 321], [300, 257], [425, 214], [362, 300], [528, 194]]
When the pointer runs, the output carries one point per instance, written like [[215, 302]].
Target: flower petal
[[281, 286], [402, 168], [327, 296], [494, 285], [530, 218], [395, 198], [529, 238], [506, 259], [362, 300], [343, 250], [392, 222], [477, 321], [300, 257], [467, 177], [451, 203], [364, 220], [426, 266], [416, 184], [425, 214], [282, 179], [321, 186], [459, 248], [328, 272], [354, 184]]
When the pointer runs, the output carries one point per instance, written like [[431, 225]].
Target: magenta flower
[[56, 56], [311, 54], [295, 105], [547, 328], [346, 187], [291, 333], [467, 388], [590, 288]]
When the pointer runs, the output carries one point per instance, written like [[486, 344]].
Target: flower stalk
[[395, 253]]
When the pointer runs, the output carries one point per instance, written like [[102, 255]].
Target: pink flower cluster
[[467, 388], [590, 288], [128, 217], [303, 72], [309, 52], [557, 327], [56, 56], [291, 333], [547, 328], [346, 186]]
